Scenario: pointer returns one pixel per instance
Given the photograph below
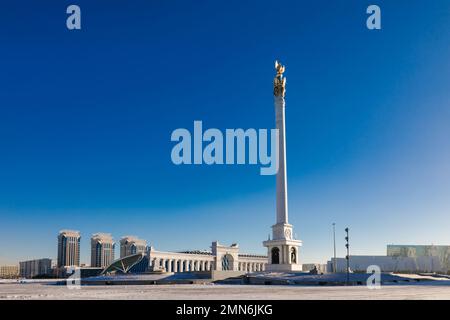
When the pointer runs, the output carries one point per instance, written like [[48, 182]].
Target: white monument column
[[282, 206], [283, 249]]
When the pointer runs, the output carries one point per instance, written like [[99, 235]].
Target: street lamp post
[[348, 255], [334, 245]]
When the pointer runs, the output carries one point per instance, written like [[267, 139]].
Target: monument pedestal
[[283, 251]]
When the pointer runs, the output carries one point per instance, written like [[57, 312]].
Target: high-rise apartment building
[[102, 250], [131, 245], [68, 248], [36, 267]]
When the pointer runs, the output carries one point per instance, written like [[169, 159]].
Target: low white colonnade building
[[223, 258]]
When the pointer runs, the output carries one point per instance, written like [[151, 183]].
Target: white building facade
[[401, 259], [223, 258]]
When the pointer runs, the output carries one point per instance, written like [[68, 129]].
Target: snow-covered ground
[[422, 290], [339, 278]]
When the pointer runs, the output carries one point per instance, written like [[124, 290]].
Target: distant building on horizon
[[402, 259], [418, 250], [68, 248], [102, 249], [9, 272], [131, 245], [36, 267]]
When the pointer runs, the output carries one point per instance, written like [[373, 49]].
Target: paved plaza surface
[[427, 290]]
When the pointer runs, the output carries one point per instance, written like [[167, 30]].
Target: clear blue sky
[[86, 118]]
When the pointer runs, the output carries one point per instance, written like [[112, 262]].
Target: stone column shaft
[[282, 206]]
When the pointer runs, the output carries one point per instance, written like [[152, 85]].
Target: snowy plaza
[[36, 291]]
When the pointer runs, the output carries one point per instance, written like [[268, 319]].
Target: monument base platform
[[283, 267]]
